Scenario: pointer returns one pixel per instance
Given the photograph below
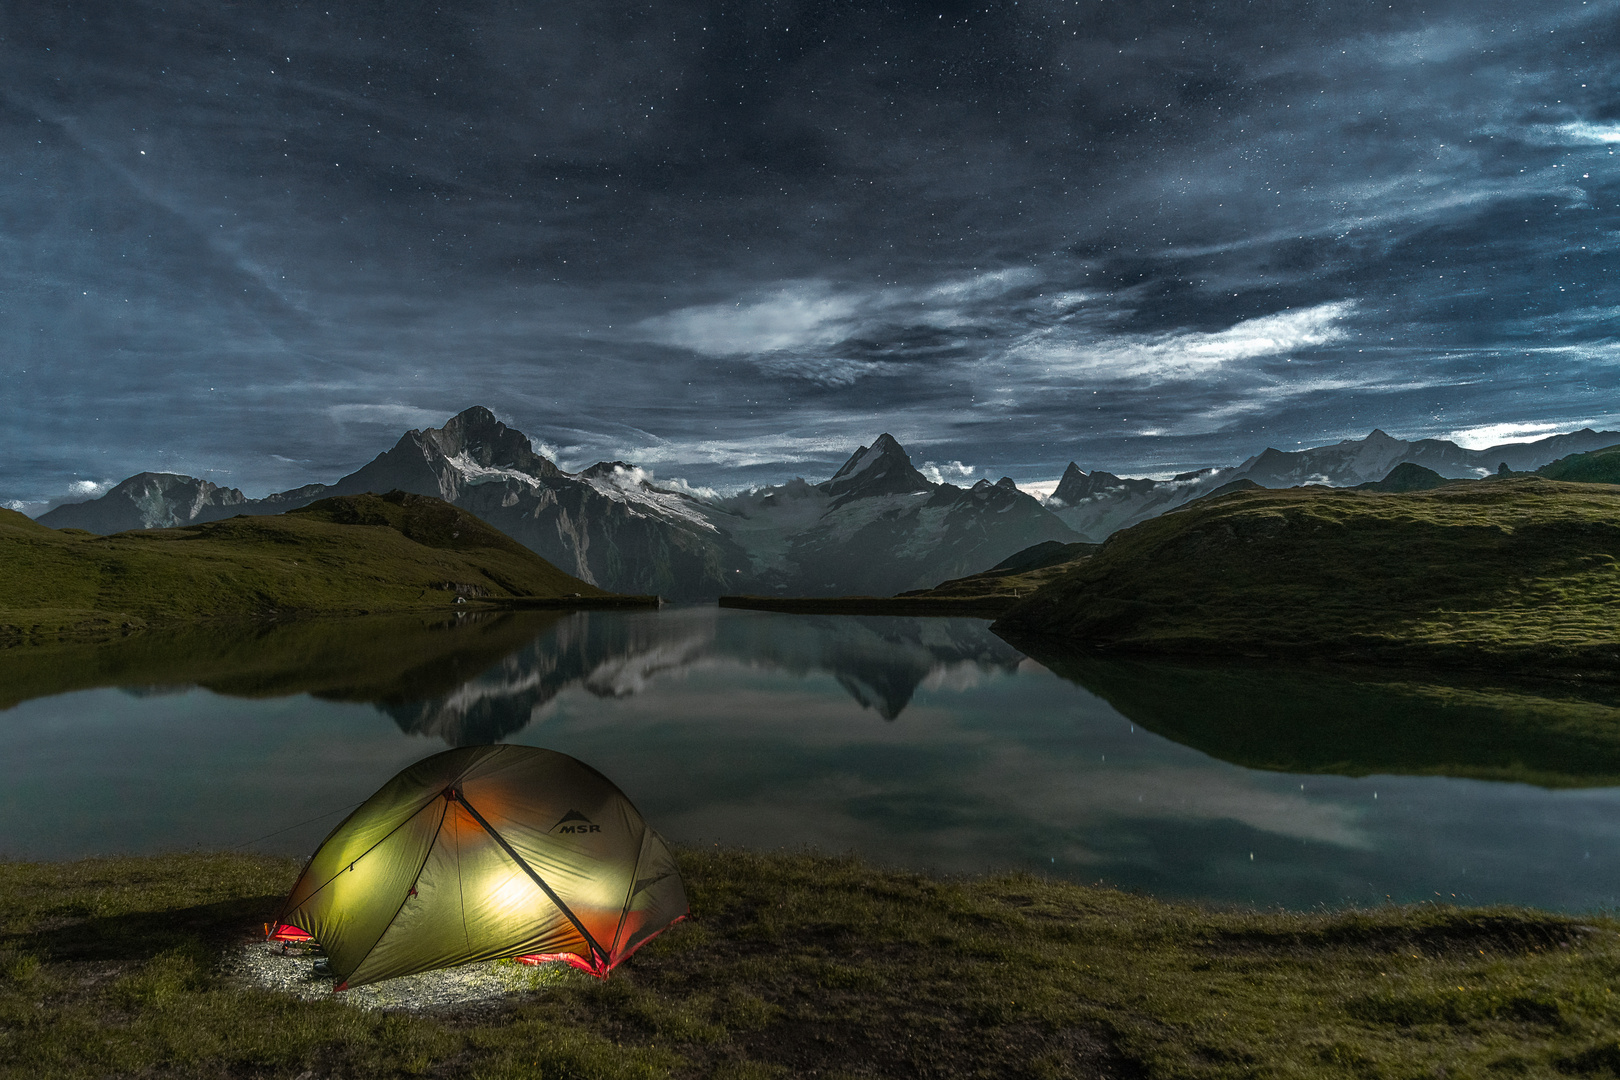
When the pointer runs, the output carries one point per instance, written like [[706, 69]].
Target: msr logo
[[575, 822]]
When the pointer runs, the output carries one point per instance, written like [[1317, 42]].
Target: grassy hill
[[350, 555], [1519, 572], [1594, 467]]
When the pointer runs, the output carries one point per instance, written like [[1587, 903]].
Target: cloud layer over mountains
[[736, 239]]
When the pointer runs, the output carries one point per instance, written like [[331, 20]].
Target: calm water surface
[[929, 744]]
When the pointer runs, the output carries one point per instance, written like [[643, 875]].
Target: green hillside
[[1593, 467], [342, 556], [1520, 572]]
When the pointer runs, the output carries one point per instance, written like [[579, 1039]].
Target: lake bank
[[344, 556], [793, 964]]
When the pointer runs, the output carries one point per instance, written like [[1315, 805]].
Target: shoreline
[[975, 607], [90, 628], [796, 964]]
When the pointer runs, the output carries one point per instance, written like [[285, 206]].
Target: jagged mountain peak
[[884, 468], [884, 448], [1077, 484], [485, 441]]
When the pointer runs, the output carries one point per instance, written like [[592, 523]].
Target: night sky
[[729, 242]]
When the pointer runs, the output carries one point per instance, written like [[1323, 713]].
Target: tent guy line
[[290, 828]]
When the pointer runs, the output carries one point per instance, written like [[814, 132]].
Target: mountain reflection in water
[[880, 661], [1361, 722], [1246, 784]]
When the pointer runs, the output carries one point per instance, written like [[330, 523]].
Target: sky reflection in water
[[929, 744]]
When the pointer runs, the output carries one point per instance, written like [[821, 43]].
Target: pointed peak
[[477, 433], [1007, 483], [476, 414], [475, 423], [1073, 470], [884, 468], [884, 447]]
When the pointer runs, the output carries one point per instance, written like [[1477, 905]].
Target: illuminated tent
[[482, 853]]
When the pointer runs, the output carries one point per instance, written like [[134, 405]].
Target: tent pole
[[455, 795]]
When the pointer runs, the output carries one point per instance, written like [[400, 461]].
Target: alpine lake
[[929, 744]]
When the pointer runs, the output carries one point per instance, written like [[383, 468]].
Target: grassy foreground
[[793, 966], [348, 555], [1516, 573]]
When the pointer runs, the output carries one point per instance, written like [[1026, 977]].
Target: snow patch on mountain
[[632, 486], [474, 473], [871, 457]]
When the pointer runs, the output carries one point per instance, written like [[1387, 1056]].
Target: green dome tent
[[482, 853]]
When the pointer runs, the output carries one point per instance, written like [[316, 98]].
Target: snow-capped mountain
[[877, 526], [1099, 503], [880, 527]]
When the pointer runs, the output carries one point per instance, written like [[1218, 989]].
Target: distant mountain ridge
[[877, 525], [1099, 503], [148, 501]]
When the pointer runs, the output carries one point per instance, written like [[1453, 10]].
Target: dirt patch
[[288, 968]]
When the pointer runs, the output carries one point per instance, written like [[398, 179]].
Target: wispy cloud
[[1486, 435], [804, 329], [388, 415], [1584, 131], [792, 317], [1182, 355]]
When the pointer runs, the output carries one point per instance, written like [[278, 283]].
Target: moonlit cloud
[[1146, 238], [1182, 356], [1478, 438], [793, 317], [950, 472], [1584, 131], [809, 330]]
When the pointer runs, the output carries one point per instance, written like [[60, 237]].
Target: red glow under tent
[[483, 853]]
